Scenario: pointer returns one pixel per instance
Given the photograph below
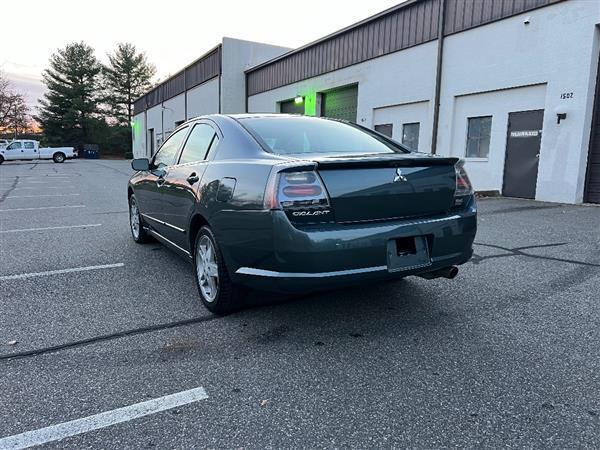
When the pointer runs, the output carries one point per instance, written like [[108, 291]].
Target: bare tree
[[13, 109]]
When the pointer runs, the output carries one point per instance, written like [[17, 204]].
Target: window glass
[[197, 144], [298, 135], [213, 146], [385, 128], [15, 146], [410, 135], [29, 145], [478, 137], [167, 153]]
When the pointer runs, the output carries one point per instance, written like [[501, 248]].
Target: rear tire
[[59, 157], [219, 295], [1, 159], [136, 225]]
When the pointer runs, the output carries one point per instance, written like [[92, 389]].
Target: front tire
[[59, 157], [219, 295], [1, 159], [136, 224]]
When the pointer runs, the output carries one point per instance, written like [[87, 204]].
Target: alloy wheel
[[134, 219], [207, 269]]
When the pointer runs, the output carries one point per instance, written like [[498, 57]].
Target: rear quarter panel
[[240, 222]]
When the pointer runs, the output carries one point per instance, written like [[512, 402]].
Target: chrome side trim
[[163, 223], [161, 237], [272, 274]]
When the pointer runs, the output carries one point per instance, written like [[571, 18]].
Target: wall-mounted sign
[[525, 133], [566, 95]]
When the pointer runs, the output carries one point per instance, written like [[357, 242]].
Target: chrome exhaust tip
[[449, 272]]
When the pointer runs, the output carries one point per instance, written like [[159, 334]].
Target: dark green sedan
[[296, 204]]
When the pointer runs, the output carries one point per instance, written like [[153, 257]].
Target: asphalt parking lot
[[507, 354]]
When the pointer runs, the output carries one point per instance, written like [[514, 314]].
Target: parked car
[[4, 143], [297, 204], [24, 149]]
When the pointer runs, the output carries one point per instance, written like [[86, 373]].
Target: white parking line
[[43, 195], [64, 227], [22, 276], [102, 420], [41, 207]]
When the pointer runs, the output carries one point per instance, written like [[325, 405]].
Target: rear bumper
[[283, 258]]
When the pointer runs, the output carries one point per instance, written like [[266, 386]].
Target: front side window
[[300, 135], [167, 153], [410, 135], [15, 146], [197, 145], [479, 132]]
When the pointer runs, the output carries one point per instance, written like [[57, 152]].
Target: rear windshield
[[298, 135]]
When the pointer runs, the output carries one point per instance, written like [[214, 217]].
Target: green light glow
[[299, 99]]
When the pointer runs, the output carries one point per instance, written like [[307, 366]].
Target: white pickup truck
[[27, 150]]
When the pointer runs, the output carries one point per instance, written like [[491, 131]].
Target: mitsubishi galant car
[[296, 204]]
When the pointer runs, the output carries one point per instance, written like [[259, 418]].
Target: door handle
[[193, 178]]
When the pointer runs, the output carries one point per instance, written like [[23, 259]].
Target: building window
[[385, 129], [410, 135], [479, 132]]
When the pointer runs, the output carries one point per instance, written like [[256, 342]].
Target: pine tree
[[126, 77], [69, 110]]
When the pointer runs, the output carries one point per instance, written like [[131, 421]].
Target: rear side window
[[300, 135], [29, 145], [168, 151], [198, 143]]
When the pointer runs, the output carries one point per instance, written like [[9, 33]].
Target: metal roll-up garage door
[[340, 103], [592, 184]]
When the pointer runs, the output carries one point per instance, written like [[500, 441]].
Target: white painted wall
[[153, 120], [399, 78], [557, 51], [408, 113], [173, 111], [203, 99], [487, 173], [237, 56], [558, 48]]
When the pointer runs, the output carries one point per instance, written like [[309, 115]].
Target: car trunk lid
[[387, 186]]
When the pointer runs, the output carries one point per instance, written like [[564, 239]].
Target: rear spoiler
[[382, 161]]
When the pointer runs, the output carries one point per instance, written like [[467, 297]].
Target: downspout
[[246, 92], [185, 117], [438, 76]]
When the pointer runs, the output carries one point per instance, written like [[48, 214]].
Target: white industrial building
[[214, 83], [508, 85]]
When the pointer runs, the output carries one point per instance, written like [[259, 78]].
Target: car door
[[14, 151], [180, 188], [29, 150], [149, 188]]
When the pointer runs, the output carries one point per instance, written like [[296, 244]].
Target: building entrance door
[[522, 153]]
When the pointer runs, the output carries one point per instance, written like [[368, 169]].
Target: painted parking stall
[[90, 358]]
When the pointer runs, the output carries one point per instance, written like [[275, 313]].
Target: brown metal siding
[[207, 67], [592, 185], [462, 15], [415, 23], [405, 26]]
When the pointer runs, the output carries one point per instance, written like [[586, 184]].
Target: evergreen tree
[[126, 77], [69, 110]]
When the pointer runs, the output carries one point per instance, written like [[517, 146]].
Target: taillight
[[301, 195], [463, 184]]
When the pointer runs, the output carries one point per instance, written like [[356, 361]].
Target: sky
[[171, 33]]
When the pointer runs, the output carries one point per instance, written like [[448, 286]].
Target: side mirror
[[141, 164]]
